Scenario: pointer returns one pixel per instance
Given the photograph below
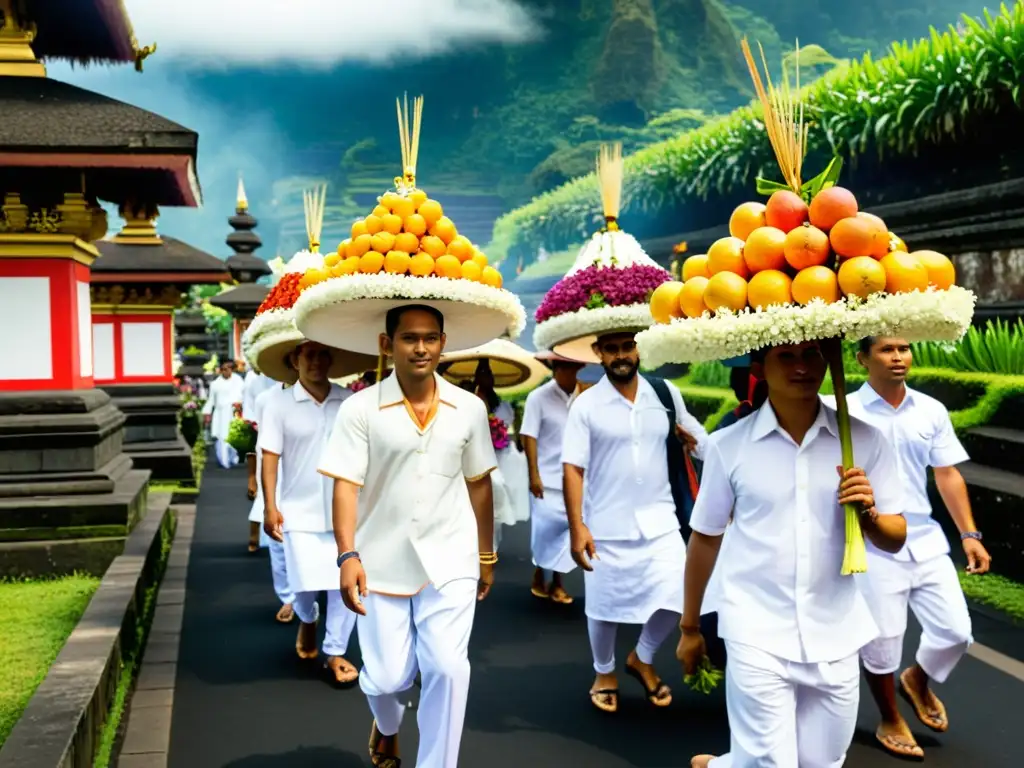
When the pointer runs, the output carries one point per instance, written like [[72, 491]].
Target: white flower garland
[[270, 321], [584, 322], [918, 316], [611, 249], [381, 285], [269, 340]]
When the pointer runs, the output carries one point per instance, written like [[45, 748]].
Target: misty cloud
[[324, 33]]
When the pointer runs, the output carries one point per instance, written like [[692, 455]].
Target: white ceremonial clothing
[[784, 714], [426, 633], [416, 523], [515, 472], [602, 636], [278, 569], [544, 417], [783, 606], [921, 576], [256, 412], [340, 620], [627, 500], [255, 385], [220, 404]]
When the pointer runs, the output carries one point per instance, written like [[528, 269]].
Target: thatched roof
[[83, 30]]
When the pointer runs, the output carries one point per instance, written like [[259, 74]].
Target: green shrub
[[998, 347]]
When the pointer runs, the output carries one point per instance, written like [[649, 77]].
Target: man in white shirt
[[792, 625], [411, 459], [624, 516], [226, 391], [921, 576], [297, 502], [547, 408]]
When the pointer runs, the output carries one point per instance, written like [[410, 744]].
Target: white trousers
[[932, 591], [427, 632], [602, 639], [784, 714], [340, 620], [227, 456], [279, 573]]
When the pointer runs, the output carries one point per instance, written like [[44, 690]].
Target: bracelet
[[347, 556], [488, 558], [976, 535]]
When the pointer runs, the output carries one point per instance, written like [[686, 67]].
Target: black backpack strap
[[677, 476], [661, 390]]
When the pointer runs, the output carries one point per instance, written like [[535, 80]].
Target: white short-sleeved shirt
[[255, 385], [256, 414], [922, 435], [620, 446], [296, 427], [779, 586], [547, 409], [416, 524]]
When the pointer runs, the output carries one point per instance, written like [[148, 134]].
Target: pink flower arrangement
[[596, 287], [499, 433], [358, 385]]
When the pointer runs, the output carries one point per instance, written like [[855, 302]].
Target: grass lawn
[[36, 618], [995, 591]]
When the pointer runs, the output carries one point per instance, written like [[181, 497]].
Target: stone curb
[[62, 723]]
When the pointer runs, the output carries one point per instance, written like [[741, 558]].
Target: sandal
[[539, 593], [560, 596], [376, 758], [286, 614], [937, 722], [659, 696], [304, 651], [905, 750], [344, 673], [605, 699]]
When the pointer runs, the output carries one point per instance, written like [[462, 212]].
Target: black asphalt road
[[243, 699]]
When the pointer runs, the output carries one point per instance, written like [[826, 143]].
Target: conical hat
[[271, 354], [510, 364]]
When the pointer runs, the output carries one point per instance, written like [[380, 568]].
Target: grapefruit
[[806, 246], [769, 287], [861, 276], [665, 302], [830, 206], [726, 255], [696, 266], [726, 290], [745, 219], [904, 273], [941, 272], [785, 210], [691, 298], [765, 249], [816, 283]]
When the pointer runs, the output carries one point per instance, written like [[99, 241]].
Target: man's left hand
[[483, 587], [855, 489], [978, 558], [689, 441]]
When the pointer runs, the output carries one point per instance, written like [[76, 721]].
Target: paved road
[[243, 700]]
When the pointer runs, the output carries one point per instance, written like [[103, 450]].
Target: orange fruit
[[472, 271], [726, 255], [786, 210], [665, 302], [816, 283], [768, 287], [765, 249], [696, 266], [407, 242], [371, 262], [373, 224], [444, 229], [861, 276], [490, 276], [421, 265], [392, 223], [745, 219], [331, 259], [415, 224], [691, 298], [806, 246], [726, 290], [448, 266], [479, 259], [348, 267], [904, 273], [402, 207], [461, 248], [388, 200], [418, 197], [380, 211], [359, 245], [896, 243], [941, 272], [859, 236], [431, 211], [435, 246], [358, 228], [382, 242], [397, 262], [830, 206]]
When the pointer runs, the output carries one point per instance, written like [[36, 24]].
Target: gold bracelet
[[488, 558]]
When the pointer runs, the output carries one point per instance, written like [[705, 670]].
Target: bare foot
[[658, 693], [604, 693], [384, 752], [537, 586], [896, 739], [343, 671], [701, 761], [927, 706], [305, 642], [286, 614]]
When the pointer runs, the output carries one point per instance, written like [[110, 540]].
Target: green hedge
[[920, 96]]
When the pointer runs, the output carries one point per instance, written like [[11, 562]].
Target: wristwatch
[[347, 556], [976, 535]]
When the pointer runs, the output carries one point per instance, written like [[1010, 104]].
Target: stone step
[[998, 447], [997, 500]]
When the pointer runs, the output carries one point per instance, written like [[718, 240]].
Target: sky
[[254, 36]]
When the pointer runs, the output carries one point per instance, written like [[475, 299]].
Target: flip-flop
[[561, 597], [612, 705], [897, 748], [659, 696], [286, 615], [539, 593], [344, 668], [376, 759], [939, 724]]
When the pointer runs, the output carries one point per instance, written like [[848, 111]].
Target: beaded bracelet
[[488, 558]]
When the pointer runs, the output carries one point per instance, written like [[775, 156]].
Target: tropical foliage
[[996, 348], [920, 95]]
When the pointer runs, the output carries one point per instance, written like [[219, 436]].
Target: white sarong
[[633, 579], [311, 560], [549, 533]]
